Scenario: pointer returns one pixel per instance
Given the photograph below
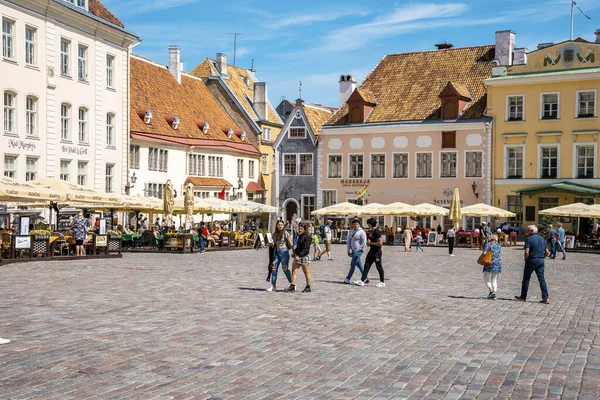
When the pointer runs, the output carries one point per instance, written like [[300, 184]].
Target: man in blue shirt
[[561, 240], [536, 250], [357, 240]]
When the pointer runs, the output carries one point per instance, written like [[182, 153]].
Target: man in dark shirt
[[373, 256], [535, 252]]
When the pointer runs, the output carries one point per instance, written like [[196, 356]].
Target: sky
[[317, 41]]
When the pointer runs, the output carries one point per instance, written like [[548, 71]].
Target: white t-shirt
[[450, 233], [327, 231]]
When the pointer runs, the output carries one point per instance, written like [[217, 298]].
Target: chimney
[[597, 35], [444, 46], [347, 87], [260, 101], [175, 62], [222, 64], [505, 46], [544, 45], [521, 56]]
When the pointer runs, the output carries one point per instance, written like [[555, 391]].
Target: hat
[[484, 223]]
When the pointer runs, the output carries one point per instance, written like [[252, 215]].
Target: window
[[134, 157], [265, 164], [550, 106], [546, 203], [64, 170], [30, 56], [8, 39], [549, 162], [515, 108], [154, 190], [82, 173], [10, 112], [424, 161], [335, 166], [513, 204], [289, 164], [514, 162], [329, 198], [110, 130], [10, 166], [472, 223], [297, 132], [585, 161], [81, 3], [157, 159], [82, 63], [308, 206], [215, 166], [65, 121], [83, 125], [31, 168], [473, 160], [267, 134], [448, 165], [401, 165], [377, 165], [110, 178], [65, 50], [251, 174], [448, 140], [163, 160], [31, 116], [586, 104], [306, 164], [356, 166], [110, 70], [196, 165], [240, 168]]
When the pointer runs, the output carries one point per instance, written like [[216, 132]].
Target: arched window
[[31, 116], [110, 130], [65, 121], [83, 125], [10, 112]]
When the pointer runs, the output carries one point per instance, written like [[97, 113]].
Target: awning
[[566, 187], [210, 182], [254, 187]]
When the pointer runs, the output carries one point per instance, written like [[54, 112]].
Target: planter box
[[183, 243]]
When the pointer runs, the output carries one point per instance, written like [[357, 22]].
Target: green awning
[[567, 187]]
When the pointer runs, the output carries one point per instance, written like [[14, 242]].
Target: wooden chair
[[60, 245], [502, 239], [89, 244], [6, 245]]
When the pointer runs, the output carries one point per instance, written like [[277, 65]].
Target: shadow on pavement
[[479, 298], [253, 289]]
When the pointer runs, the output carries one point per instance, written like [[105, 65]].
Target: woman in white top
[[451, 236], [408, 237]]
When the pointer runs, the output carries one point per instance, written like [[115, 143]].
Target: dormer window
[[176, 122], [147, 116], [455, 98], [79, 3], [360, 103]]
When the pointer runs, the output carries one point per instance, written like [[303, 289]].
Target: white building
[[64, 82]]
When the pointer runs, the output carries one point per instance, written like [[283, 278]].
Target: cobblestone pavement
[[161, 326]]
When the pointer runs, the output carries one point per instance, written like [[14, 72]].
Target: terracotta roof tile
[[99, 10], [366, 95], [201, 181], [406, 86], [461, 90], [254, 187], [317, 116]]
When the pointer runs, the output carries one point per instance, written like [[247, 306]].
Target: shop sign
[[23, 242], [21, 145], [447, 193], [101, 240], [74, 150], [3, 208], [355, 182]]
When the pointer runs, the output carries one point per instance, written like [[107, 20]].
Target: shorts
[[78, 242], [327, 245], [304, 260]]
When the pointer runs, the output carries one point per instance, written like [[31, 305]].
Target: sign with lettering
[[101, 240], [3, 208], [74, 150], [22, 242], [21, 145], [355, 182], [24, 226]]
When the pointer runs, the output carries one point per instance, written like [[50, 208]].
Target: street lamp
[[240, 186], [133, 180], [474, 187]]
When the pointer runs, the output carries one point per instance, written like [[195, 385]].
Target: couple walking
[[357, 240]]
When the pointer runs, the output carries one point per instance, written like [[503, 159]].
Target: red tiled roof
[[213, 182], [99, 10], [254, 187], [243, 148]]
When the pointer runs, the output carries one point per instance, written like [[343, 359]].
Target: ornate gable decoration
[[568, 54]]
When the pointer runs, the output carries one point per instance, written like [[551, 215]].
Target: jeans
[[295, 238], [202, 242], [282, 256], [531, 265], [356, 262], [553, 249], [562, 248]]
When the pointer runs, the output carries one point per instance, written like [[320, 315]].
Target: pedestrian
[[535, 252], [492, 271], [561, 240], [326, 235], [301, 258], [408, 237], [271, 262], [552, 241], [282, 242], [203, 237], [78, 226], [355, 246], [315, 242], [451, 238], [373, 256], [485, 232], [419, 242]]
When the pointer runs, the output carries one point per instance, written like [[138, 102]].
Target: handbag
[[485, 259]]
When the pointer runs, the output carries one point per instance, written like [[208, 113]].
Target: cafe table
[[128, 237]]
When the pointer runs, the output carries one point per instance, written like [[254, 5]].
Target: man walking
[[373, 256], [326, 235], [535, 252], [561, 240], [553, 239], [357, 239]]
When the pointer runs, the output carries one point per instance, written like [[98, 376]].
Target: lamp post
[[132, 179], [474, 187]]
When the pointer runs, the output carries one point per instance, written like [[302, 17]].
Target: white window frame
[[505, 159], [302, 203], [82, 62], [542, 106], [31, 175], [371, 165], [440, 164], [334, 191], [417, 165], [135, 156], [350, 165], [251, 169], [82, 178], [109, 181], [240, 167], [341, 166], [267, 134], [30, 46], [82, 126], [110, 71], [465, 163], [595, 91], [111, 129], [539, 159], [31, 117], [595, 157], [264, 159], [10, 173], [407, 165], [8, 40], [63, 174], [507, 116], [65, 123], [296, 137], [295, 163], [65, 57], [312, 162], [200, 160], [10, 113]]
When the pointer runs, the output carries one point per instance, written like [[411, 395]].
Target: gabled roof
[[99, 10], [362, 96], [241, 83], [406, 86], [154, 88], [458, 90], [204, 181], [315, 116], [567, 187]]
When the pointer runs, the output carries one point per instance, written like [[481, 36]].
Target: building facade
[[65, 69], [545, 109]]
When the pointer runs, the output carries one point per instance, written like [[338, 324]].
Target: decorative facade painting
[[568, 55]]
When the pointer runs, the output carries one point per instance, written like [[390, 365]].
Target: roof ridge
[[148, 61], [319, 107], [438, 51]]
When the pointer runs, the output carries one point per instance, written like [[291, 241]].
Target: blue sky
[[316, 41]]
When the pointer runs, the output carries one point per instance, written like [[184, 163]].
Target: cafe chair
[[6, 244], [61, 246]]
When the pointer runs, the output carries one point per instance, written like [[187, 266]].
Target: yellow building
[[545, 146]]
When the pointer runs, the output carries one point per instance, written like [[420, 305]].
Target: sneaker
[[347, 281], [451, 255], [331, 259], [493, 296], [490, 294], [292, 288], [367, 281], [307, 290], [380, 284], [273, 288], [564, 258], [359, 283], [545, 301], [519, 298], [4, 341]]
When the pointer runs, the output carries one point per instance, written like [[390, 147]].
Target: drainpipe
[[489, 163]]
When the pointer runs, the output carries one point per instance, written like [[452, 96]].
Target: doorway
[[291, 208]]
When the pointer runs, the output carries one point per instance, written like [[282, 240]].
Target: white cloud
[[307, 19], [243, 51]]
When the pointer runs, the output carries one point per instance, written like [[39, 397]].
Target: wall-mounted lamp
[[474, 187], [133, 180]]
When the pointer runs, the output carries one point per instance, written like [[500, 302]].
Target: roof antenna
[[300, 90], [235, 35], [252, 66]]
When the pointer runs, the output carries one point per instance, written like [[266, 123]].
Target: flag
[[577, 5], [362, 192], [222, 194]]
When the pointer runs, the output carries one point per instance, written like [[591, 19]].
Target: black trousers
[[450, 245], [368, 262], [271, 261]]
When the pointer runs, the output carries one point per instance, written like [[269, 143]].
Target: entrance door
[[291, 208]]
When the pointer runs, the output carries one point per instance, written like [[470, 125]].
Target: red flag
[[222, 194]]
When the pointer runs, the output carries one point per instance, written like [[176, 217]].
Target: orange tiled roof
[[462, 90], [154, 88], [317, 115], [254, 187], [201, 181], [99, 10], [240, 83], [366, 95], [407, 85]]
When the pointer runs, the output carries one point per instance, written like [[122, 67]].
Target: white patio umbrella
[[370, 209], [344, 208], [397, 208], [426, 210], [13, 190], [255, 207], [485, 210]]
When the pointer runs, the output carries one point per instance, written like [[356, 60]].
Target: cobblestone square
[[166, 326]]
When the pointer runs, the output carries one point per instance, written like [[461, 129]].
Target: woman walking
[[78, 226], [282, 242], [301, 258], [451, 236], [408, 237], [491, 272]]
